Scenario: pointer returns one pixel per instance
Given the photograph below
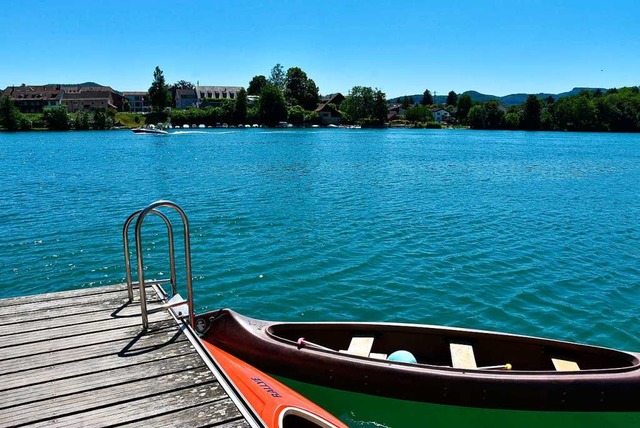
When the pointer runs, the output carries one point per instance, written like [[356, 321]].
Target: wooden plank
[[199, 416], [47, 320], [219, 412], [75, 293], [119, 358], [179, 386], [462, 356], [61, 295], [84, 301], [203, 415], [18, 351], [93, 381], [91, 325], [115, 304], [28, 321], [61, 356]]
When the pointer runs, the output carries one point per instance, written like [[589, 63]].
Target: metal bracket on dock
[[186, 306]]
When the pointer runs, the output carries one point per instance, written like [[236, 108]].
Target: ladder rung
[[166, 306], [151, 282]]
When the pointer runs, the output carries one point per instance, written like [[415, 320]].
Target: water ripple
[[532, 233]]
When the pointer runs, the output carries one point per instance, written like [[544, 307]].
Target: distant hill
[[507, 100], [91, 84], [516, 99], [439, 99]]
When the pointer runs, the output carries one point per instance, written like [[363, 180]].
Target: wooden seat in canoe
[[361, 346], [462, 356], [565, 365]]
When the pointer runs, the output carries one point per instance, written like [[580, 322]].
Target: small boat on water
[[277, 405], [149, 129], [433, 364]]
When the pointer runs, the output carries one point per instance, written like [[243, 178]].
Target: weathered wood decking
[[79, 358]]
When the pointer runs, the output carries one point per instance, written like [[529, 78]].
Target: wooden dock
[[80, 358]]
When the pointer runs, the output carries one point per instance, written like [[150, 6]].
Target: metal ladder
[[176, 299]]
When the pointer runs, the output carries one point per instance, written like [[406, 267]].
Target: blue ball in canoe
[[403, 357]]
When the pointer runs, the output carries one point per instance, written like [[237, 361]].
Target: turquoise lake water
[[529, 233]]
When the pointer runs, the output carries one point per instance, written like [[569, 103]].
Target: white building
[[440, 115]]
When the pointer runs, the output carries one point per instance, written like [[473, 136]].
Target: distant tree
[[419, 113], [494, 115], [300, 90], [227, 110], [10, 116], [272, 107], [159, 92], [427, 98], [512, 120], [531, 112], [240, 108], [406, 102], [102, 120], [253, 114], [25, 123], [295, 85], [82, 121], [585, 113], [183, 84], [476, 117], [358, 104], [546, 119], [312, 118], [296, 115], [256, 85], [619, 112], [380, 108], [57, 118], [277, 77], [463, 107], [311, 97], [126, 105], [549, 100], [452, 99]]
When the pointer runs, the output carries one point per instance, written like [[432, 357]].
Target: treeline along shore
[[292, 97]]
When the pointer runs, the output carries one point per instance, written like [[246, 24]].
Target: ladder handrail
[[187, 255], [127, 255]]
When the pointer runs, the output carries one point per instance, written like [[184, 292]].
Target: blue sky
[[495, 47]]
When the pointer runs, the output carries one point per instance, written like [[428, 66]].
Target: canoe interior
[[431, 345]]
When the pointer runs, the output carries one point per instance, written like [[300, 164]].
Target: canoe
[[437, 365], [277, 405], [421, 375]]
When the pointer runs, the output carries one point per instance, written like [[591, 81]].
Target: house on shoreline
[[328, 109], [138, 101], [33, 99], [440, 114], [86, 96], [184, 98], [212, 95]]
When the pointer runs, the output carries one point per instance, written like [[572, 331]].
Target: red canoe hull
[[277, 405]]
